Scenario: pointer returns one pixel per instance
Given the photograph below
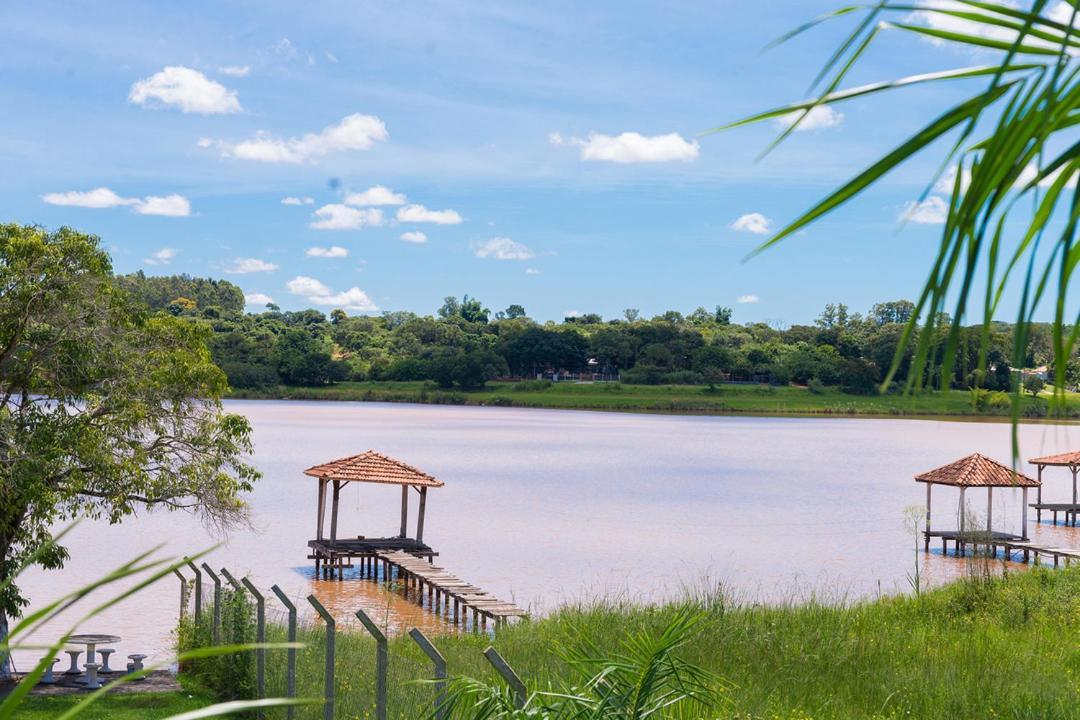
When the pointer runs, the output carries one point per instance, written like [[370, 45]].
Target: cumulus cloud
[[414, 236], [556, 139], [317, 293], [102, 197], [503, 248], [819, 118], [169, 206], [947, 181], [297, 200], [343, 217], [752, 223], [375, 195], [354, 132], [334, 251], [420, 214], [235, 70], [632, 147], [245, 266], [931, 211], [532, 271], [162, 257], [748, 299], [1030, 172], [257, 299], [187, 89]]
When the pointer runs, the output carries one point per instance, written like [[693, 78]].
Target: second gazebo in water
[[332, 554]]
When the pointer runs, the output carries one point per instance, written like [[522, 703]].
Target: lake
[[549, 506]]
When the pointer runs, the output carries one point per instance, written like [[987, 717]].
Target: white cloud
[[1030, 172], [235, 70], [375, 195], [420, 214], [204, 142], [503, 248], [331, 56], [532, 271], [752, 223], [414, 236], [187, 89], [343, 217], [819, 118], [354, 132], [334, 251], [257, 299], [101, 197], [931, 211], [947, 181], [244, 266], [556, 139], [632, 147], [169, 206], [291, 200], [572, 314], [286, 49], [162, 257], [319, 294], [748, 299]]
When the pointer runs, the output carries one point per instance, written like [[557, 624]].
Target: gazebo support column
[[404, 511], [989, 509], [334, 512], [1074, 469], [322, 509], [420, 516], [963, 514], [928, 486], [1038, 497], [1023, 510]]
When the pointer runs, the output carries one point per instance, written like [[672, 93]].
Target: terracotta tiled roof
[[373, 467], [977, 471], [1069, 458]]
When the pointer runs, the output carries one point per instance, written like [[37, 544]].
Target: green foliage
[[1034, 384], [230, 676], [161, 292]]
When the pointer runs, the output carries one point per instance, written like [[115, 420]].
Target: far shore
[[749, 400]]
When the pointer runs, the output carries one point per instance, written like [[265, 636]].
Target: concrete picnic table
[[91, 641]]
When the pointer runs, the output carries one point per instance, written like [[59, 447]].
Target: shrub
[[642, 375], [683, 377], [532, 385], [815, 386]]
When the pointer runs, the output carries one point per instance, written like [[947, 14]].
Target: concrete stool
[[74, 669], [48, 678], [91, 676], [105, 653], [136, 664]]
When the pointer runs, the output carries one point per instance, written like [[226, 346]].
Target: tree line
[[464, 344]]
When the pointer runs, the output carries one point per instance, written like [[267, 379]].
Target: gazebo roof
[[1068, 459], [373, 467], [976, 471]]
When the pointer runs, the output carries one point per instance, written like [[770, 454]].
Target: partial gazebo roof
[[373, 467], [976, 471], [1069, 459]]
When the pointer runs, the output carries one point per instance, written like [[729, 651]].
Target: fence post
[[439, 663], [508, 674], [260, 637], [290, 673], [217, 602], [381, 657], [198, 590], [233, 581], [328, 707], [183, 592]]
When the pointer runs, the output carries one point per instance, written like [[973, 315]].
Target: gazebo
[[975, 471], [369, 467], [1070, 460]]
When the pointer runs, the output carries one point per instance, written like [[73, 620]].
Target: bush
[[642, 375], [407, 369], [859, 377], [232, 676], [532, 385], [683, 377], [815, 386]]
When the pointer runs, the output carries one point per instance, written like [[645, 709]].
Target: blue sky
[[545, 154]]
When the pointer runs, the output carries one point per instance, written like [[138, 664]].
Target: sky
[[380, 156]]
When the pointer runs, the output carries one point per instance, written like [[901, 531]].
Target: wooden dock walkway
[[446, 594], [1009, 544]]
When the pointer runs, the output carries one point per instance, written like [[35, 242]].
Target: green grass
[[725, 399], [140, 706]]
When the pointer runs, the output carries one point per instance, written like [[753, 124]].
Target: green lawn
[[132, 706], [725, 399]]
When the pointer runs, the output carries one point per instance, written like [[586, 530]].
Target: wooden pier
[[1009, 544]]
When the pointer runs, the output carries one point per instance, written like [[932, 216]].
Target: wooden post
[[1038, 497], [963, 510], [420, 515], [404, 510], [334, 512], [1074, 485], [1023, 509], [322, 508], [928, 486], [989, 508]]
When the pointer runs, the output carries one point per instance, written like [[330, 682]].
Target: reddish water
[[545, 507]]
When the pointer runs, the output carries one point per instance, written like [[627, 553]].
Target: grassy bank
[[724, 399], [142, 706], [979, 648]]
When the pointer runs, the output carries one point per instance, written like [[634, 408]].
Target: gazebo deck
[[970, 535], [331, 552]]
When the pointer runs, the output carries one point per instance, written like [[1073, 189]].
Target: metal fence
[[194, 609]]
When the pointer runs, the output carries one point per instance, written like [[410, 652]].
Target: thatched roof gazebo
[[975, 471], [376, 468], [1070, 460]]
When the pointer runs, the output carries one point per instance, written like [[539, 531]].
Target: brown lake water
[[549, 506]]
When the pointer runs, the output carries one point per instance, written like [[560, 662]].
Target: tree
[[104, 407], [1034, 385], [514, 312], [631, 314], [722, 315], [895, 311], [303, 359]]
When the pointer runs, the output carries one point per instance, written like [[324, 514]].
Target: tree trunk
[[5, 660]]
